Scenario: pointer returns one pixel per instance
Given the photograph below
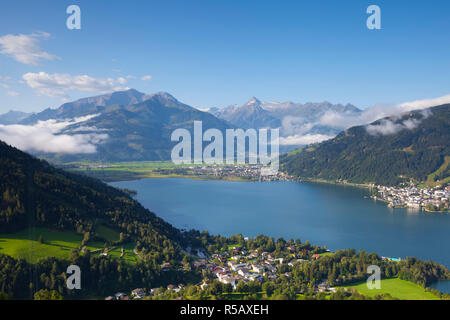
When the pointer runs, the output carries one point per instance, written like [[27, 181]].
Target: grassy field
[[26, 245], [430, 179], [397, 288], [326, 254], [128, 254]]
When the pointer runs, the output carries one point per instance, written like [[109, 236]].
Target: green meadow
[[26, 244], [128, 254], [397, 288]]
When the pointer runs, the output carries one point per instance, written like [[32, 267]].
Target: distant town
[[429, 199], [250, 172]]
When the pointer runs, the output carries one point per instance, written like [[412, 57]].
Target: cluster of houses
[[231, 267], [241, 265], [248, 171], [140, 293], [414, 197]]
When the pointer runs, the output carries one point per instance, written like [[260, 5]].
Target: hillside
[[50, 219], [34, 194], [386, 152]]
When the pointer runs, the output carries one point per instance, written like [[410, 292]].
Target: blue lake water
[[336, 216], [442, 286]]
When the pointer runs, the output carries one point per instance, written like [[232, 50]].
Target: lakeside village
[[428, 199], [238, 267], [233, 267]]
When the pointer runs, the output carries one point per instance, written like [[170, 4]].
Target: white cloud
[[13, 94], [56, 126], [379, 111], [388, 126], [425, 103], [203, 109], [146, 78], [25, 48], [306, 139], [46, 137], [87, 129], [57, 85], [291, 125]]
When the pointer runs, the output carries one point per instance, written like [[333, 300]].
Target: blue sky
[[216, 53]]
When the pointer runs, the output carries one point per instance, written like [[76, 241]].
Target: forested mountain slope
[[33, 193], [386, 152]]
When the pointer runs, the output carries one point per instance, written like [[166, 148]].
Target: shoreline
[[351, 184], [119, 176]]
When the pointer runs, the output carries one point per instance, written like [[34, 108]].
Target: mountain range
[[122, 126], [133, 126], [292, 118]]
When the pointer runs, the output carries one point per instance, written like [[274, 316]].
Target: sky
[[216, 53]]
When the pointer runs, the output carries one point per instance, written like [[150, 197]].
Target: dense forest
[[100, 276], [386, 152]]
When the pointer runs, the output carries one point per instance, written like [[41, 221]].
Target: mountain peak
[[12, 117], [253, 100], [163, 97]]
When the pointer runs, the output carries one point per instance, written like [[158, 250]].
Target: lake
[[442, 286], [338, 217]]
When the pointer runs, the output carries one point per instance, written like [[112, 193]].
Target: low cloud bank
[[303, 139], [46, 137], [387, 126]]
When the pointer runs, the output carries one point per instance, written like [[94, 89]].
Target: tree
[[216, 288], [269, 288], [242, 287], [45, 294]]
